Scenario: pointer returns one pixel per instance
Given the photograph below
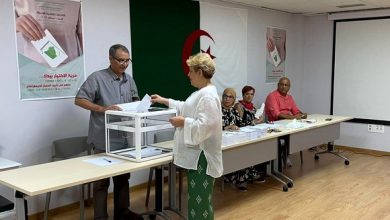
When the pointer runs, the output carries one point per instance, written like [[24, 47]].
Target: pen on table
[[107, 160]]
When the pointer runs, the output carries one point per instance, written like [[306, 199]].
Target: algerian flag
[[228, 27], [159, 30], [163, 33]]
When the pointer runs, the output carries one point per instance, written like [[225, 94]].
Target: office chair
[[330, 150], [68, 148], [161, 136]]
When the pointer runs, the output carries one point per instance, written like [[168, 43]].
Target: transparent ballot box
[[132, 135]]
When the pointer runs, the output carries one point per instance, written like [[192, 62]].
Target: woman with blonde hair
[[198, 136], [231, 120], [230, 117]]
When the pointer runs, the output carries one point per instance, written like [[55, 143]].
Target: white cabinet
[[130, 135]]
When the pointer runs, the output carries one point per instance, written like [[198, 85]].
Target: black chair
[[68, 148]]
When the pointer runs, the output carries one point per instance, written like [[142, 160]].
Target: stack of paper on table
[[250, 132], [232, 137]]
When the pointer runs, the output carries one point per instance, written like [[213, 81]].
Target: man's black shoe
[[129, 215]]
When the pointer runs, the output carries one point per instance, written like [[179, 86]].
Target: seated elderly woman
[[230, 117], [231, 120]]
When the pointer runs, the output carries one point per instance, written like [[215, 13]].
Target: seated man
[[280, 105]]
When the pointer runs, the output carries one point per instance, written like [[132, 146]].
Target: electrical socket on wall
[[376, 128]]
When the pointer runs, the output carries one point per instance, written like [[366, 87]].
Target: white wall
[[317, 65], [317, 85], [29, 127], [258, 21]]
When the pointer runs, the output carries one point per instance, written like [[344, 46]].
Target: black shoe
[[259, 179], [129, 215], [242, 187]]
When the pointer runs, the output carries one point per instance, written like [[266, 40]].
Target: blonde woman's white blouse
[[201, 132]]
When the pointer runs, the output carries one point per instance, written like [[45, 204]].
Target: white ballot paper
[[50, 50], [260, 111], [138, 106], [145, 104], [275, 57]]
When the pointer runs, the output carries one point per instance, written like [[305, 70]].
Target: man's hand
[[86, 104], [270, 44], [29, 27], [111, 107], [303, 115]]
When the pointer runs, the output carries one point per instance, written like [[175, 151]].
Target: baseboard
[[363, 151]]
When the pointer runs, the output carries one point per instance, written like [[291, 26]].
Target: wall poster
[[276, 54], [50, 48]]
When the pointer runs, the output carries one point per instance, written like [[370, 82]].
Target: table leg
[[159, 196], [172, 192], [159, 201], [172, 185], [21, 206]]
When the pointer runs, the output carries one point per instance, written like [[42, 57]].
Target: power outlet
[[376, 128]]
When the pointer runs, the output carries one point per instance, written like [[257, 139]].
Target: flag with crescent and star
[[226, 42], [165, 34]]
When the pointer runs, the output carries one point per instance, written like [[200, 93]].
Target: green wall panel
[[158, 31]]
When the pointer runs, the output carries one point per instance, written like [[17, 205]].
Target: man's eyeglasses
[[227, 97], [122, 61]]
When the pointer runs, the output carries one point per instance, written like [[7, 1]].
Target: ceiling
[[312, 7]]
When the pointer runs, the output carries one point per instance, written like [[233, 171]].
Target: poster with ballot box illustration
[[49, 46]]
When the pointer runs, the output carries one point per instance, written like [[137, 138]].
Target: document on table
[[294, 124], [50, 50], [103, 161], [7, 164], [148, 151], [138, 106], [267, 126]]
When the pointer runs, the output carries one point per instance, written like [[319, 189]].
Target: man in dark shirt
[[101, 92]]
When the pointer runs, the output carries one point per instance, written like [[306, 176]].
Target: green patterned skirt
[[200, 192]]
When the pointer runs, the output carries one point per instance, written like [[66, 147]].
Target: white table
[[43, 178], [325, 129], [268, 147]]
